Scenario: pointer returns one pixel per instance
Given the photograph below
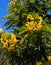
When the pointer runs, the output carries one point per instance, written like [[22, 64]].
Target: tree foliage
[[32, 26]]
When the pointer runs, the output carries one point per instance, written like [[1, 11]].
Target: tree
[[32, 26]]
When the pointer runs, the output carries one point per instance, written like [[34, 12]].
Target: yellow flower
[[39, 27], [11, 48], [38, 63], [1, 40], [5, 45], [35, 25], [30, 17], [40, 22], [35, 29], [13, 36], [15, 40], [10, 41], [1, 30], [13, 2], [36, 16], [30, 25], [49, 58], [13, 45]]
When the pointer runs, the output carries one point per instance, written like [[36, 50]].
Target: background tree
[[31, 24]]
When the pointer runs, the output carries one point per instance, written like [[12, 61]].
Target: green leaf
[[31, 1], [49, 10], [47, 28], [23, 39], [22, 32], [41, 3]]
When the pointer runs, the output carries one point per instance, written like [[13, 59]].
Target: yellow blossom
[[5, 45], [49, 58], [39, 27], [15, 40], [40, 22], [35, 29], [11, 48], [1, 30], [13, 45], [10, 41], [38, 63], [13, 36], [1, 40], [30, 25], [13, 2], [33, 26], [36, 16], [30, 17]]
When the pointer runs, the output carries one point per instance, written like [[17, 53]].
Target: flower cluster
[[35, 22], [9, 41]]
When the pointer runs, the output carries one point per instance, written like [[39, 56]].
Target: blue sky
[[4, 12]]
